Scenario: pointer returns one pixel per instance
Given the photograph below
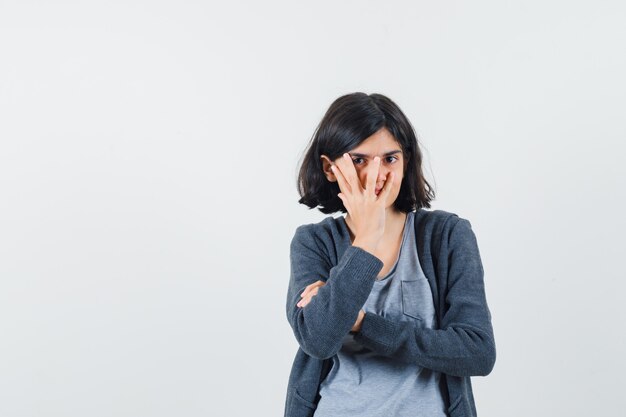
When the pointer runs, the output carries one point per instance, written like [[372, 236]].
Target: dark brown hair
[[350, 120]]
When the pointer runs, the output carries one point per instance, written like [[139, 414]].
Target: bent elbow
[[315, 338], [317, 353], [315, 348], [487, 360], [479, 363]]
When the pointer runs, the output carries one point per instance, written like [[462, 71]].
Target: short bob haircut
[[350, 120]]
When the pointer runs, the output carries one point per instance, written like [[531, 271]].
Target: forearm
[[457, 350], [320, 326]]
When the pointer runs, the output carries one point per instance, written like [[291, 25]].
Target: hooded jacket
[[460, 345]]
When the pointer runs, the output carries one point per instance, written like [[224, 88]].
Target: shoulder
[[445, 223], [321, 237], [323, 229], [436, 218]]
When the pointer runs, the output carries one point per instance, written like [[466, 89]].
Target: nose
[[382, 172], [382, 176]]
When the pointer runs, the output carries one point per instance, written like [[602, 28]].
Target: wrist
[[368, 246]]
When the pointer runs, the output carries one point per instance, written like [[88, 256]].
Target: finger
[[345, 203], [305, 293], [313, 284], [386, 191], [310, 293], [372, 176], [349, 172], [317, 283], [341, 180], [304, 302], [309, 298]]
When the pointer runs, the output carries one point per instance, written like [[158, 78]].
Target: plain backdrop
[[148, 161]]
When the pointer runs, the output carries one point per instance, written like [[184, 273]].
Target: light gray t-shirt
[[365, 384]]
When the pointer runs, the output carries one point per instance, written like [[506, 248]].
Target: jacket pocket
[[454, 409], [300, 399], [417, 298]]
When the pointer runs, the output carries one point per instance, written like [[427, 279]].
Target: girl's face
[[384, 145]]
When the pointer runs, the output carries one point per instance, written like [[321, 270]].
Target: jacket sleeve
[[320, 326], [464, 344]]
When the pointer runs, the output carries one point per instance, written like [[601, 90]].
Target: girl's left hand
[[309, 292]]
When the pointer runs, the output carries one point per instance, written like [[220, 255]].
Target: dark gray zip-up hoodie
[[460, 345]]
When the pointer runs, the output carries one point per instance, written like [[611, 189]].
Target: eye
[[393, 159]]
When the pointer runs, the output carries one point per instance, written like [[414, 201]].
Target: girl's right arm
[[320, 326]]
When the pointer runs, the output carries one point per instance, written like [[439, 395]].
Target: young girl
[[387, 304]]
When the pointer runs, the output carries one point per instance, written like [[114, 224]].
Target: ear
[[328, 173]]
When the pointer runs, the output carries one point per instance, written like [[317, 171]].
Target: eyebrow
[[362, 155]]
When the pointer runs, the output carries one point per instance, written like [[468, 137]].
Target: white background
[[148, 160]]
